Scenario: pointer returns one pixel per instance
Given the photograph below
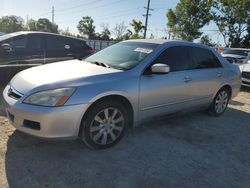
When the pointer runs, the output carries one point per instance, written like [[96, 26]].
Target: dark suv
[[21, 50]]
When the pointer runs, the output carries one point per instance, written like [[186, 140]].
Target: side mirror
[[6, 47], [160, 68]]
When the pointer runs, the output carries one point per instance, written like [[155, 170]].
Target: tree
[[231, 18], [246, 40], [86, 27], [43, 24], [9, 24], [31, 25], [105, 34], [120, 30], [66, 32], [188, 18], [207, 41], [138, 28]]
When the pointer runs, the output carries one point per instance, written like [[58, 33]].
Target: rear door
[[59, 48], [206, 75]]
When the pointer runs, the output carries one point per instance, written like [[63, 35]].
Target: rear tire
[[104, 124], [220, 102]]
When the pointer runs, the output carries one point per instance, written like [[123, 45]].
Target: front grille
[[246, 75], [247, 83], [14, 94]]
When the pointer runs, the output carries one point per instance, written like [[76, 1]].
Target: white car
[[245, 76], [236, 55]]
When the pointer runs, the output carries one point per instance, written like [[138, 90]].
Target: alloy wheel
[[107, 126], [221, 102]]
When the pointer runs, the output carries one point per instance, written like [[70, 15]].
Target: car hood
[[234, 56], [56, 74], [245, 68]]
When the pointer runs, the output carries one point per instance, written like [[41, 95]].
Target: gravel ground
[[191, 150]]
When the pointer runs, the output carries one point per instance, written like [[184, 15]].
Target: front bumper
[[45, 122], [245, 82]]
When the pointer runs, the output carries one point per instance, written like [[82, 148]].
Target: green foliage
[[232, 18], [207, 41], [188, 18], [246, 39], [9, 24], [66, 32], [105, 34], [31, 25], [43, 24], [138, 29], [86, 27]]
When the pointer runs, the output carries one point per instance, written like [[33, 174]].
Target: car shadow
[[236, 103], [191, 150]]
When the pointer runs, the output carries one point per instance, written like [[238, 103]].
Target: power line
[[78, 6], [95, 7]]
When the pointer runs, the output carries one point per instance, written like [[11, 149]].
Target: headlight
[[57, 97]]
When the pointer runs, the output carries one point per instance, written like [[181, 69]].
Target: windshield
[[236, 52], [7, 36], [124, 55]]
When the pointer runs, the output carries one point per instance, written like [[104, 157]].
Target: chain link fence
[[99, 44]]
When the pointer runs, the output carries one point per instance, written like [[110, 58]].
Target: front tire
[[220, 102], [104, 124]]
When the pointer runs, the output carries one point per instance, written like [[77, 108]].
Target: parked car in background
[[99, 98], [236, 55], [22, 50], [245, 75]]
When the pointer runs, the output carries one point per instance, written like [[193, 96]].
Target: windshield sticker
[[143, 50]]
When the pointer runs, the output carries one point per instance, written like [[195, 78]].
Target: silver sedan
[[97, 99]]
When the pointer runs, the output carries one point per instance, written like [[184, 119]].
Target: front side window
[[19, 43], [124, 55], [203, 58], [177, 58]]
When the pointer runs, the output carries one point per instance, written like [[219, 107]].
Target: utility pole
[[27, 22], [53, 14], [146, 21]]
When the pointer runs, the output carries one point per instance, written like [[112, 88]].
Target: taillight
[[90, 51]]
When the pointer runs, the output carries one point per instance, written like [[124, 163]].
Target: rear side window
[[203, 58], [177, 58], [35, 42], [57, 43]]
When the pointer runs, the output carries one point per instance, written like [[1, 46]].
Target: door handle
[[187, 79], [219, 74]]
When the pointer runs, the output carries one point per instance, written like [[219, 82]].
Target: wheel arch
[[227, 86], [118, 97]]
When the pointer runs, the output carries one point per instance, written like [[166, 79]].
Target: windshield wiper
[[99, 63]]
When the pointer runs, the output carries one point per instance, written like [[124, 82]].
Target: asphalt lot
[[191, 150]]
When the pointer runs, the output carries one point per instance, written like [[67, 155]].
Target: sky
[[69, 12]]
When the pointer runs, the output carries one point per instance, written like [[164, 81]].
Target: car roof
[[164, 41], [39, 32]]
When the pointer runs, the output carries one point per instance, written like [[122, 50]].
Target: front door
[[167, 93]]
